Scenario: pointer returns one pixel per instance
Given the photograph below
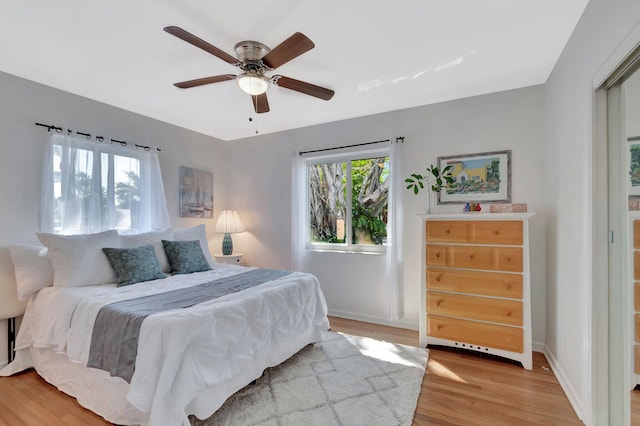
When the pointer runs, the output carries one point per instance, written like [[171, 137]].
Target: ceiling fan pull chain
[[251, 112]]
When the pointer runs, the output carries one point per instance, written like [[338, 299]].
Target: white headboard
[[10, 306]]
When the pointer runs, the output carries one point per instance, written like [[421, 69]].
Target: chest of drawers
[[476, 283]]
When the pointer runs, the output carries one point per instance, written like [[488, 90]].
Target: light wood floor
[[458, 389], [635, 406], [464, 389]]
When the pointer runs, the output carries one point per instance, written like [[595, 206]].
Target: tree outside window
[[348, 198]]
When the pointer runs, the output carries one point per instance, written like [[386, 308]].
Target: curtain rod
[[399, 138], [98, 138]]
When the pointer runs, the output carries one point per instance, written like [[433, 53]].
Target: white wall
[[22, 103], [632, 105], [569, 158], [260, 188]]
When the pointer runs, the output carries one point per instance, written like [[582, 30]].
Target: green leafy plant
[[435, 179], [365, 220]]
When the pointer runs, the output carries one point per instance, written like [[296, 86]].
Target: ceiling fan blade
[[198, 42], [260, 103], [303, 87], [205, 80], [291, 48]]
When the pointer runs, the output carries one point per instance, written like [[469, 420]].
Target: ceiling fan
[[254, 59]]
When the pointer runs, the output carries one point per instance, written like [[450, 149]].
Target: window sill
[[382, 252]]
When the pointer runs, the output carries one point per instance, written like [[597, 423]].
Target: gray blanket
[[114, 341]]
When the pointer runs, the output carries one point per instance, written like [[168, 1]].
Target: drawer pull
[[508, 259], [447, 232], [439, 302], [496, 232], [470, 257], [509, 286]]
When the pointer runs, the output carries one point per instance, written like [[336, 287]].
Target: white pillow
[[153, 238], [78, 260], [32, 267], [198, 232]]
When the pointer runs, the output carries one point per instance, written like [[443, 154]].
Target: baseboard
[[372, 319], [537, 346], [574, 400]]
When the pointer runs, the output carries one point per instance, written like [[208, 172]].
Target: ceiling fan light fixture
[[253, 84]]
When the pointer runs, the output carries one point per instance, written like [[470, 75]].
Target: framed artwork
[[634, 166], [482, 177], [196, 193]]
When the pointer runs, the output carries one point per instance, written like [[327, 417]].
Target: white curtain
[[298, 209], [95, 186], [394, 279]]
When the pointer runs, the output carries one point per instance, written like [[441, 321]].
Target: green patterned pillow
[[134, 265], [185, 257]]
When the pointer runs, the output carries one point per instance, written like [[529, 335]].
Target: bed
[[189, 358]]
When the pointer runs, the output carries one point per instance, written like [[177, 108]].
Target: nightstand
[[235, 259]]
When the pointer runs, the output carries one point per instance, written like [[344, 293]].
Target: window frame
[[347, 246], [106, 154]]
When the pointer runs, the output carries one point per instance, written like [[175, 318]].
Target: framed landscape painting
[[634, 166], [482, 177], [196, 193]]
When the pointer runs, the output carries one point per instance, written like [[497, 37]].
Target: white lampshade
[[253, 84], [229, 222]]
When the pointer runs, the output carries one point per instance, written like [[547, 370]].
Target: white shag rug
[[342, 380]]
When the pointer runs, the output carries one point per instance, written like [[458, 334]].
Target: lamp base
[[227, 245]]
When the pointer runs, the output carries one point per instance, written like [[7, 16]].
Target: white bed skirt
[[97, 391]]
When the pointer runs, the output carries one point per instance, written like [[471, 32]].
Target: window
[[93, 186], [347, 201]]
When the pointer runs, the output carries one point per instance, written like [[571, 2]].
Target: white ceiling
[[377, 55]]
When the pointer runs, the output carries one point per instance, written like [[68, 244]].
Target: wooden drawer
[[636, 297], [507, 259], [475, 282], [637, 327], [476, 333], [637, 359], [636, 234], [499, 232], [502, 311], [636, 265]]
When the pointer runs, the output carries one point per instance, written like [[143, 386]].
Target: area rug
[[342, 380]]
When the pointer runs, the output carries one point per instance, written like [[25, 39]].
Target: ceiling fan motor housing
[[250, 54]]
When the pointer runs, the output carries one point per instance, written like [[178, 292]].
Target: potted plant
[[435, 181]]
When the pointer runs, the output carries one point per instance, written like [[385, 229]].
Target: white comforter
[[183, 351]]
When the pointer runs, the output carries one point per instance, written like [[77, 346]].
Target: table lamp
[[228, 223]]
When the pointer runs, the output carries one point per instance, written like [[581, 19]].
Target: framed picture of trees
[[481, 177]]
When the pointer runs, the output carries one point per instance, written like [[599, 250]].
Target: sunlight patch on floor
[[383, 351], [441, 371]]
